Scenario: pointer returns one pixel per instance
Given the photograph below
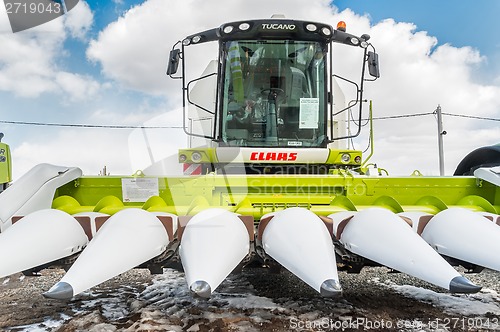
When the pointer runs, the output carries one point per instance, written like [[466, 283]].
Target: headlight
[[357, 159], [228, 29], [354, 41], [346, 158], [182, 158], [186, 42], [196, 39], [196, 157]]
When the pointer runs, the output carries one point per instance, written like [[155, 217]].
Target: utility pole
[[441, 133]]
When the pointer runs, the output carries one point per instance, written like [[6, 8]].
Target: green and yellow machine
[[268, 179], [5, 165]]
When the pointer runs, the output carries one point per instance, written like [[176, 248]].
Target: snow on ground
[[480, 311], [486, 302], [168, 296], [169, 293], [164, 303], [50, 324]]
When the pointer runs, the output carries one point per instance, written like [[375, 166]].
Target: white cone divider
[[127, 239], [465, 235], [495, 218], [383, 237], [40, 237], [214, 242], [298, 240]]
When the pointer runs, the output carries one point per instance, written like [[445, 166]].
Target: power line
[[470, 116], [86, 125], [389, 117], [401, 116]]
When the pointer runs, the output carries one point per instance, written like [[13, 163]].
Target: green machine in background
[[5, 165]]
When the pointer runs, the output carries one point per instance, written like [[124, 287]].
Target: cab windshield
[[274, 94]]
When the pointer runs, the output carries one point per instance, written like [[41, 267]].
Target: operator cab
[[274, 88]]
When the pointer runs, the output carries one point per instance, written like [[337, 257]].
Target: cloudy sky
[[103, 64]]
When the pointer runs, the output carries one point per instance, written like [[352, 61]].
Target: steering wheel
[[275, 92]]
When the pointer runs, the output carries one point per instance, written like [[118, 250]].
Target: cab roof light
[[244, 26], [326, 31], [341, 26], [311, 27]]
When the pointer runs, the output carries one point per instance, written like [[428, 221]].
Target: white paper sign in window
[[309, 113], [139, 189]]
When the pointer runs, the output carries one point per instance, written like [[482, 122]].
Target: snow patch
[[483, 303]]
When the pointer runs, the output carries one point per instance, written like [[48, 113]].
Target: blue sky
[[104, 63], [460, 23]]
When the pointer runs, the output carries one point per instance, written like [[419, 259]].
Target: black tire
[[487, 156]]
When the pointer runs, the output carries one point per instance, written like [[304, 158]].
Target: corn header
[[269, 180]]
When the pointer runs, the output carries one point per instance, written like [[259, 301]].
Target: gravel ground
[[254, 300]]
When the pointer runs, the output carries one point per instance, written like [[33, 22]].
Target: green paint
[[257, 195]]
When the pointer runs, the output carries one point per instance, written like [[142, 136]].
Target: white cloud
[[79, 20], [76, 86], [89, 149], [29, 59], [122, 151]]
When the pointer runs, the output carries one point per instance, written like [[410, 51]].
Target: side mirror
[[373, 66], [173, 61]]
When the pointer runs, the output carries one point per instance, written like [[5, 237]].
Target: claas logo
[[275, 156]]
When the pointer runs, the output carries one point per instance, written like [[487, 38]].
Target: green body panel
[[257, 195], [5, 164]]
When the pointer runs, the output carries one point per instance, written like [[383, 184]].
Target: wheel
[[487, 156]]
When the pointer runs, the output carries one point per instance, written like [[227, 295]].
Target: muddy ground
[[254, 300]]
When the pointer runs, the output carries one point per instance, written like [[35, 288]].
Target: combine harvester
[[273, 184]]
